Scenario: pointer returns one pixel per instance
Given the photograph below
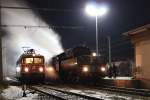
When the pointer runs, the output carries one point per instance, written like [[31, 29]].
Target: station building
[[141, 39]]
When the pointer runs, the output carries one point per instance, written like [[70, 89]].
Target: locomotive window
[[33, 60], [28, 60], [38, 60]]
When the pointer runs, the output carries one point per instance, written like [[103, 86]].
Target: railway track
[[89, 93], [132, 91], [60, 94]]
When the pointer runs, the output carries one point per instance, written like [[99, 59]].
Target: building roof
[[138, 30]]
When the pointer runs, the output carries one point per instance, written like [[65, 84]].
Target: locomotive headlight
[[75, 63], [18, 69], [41, 69], [103, 69], [26, 69], [94, 54], [85, 69]]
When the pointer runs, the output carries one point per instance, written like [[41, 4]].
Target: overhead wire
[[40, 26]]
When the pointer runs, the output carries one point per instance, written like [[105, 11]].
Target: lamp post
[[94, 10], [96, 36]]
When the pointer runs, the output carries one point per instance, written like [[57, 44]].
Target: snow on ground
[[15, 93], [102, 94], [120, 78], [107, 95]]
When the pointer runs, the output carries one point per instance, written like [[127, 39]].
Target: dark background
[[123, 16]]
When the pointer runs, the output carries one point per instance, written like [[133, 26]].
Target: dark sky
[[123, 16]]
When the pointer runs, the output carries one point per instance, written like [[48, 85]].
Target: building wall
[[1, 69], [142, 52]]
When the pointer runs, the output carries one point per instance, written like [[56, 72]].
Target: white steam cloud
[[44, 40]]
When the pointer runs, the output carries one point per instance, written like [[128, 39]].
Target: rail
[[62, 94], [133, 91]]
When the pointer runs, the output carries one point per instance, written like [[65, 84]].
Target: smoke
[[44, 40]]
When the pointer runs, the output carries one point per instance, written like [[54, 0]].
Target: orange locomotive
[[31, 67]]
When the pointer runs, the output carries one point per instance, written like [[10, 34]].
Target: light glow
[[85, 69], [75, 63], [51, 69], [103, 69], [50, 72], [91, 10], [95, 10], [26, 69], [41, 69], [18, 69], [102, 11], [93, 54]]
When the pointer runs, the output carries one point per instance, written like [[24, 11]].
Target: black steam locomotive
[[79, 63]]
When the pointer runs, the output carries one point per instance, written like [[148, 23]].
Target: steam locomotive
[[30, 66], [79, 63]]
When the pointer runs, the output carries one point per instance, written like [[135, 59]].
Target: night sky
[[123, 16]]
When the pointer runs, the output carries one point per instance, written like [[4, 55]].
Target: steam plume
[[44, 40]]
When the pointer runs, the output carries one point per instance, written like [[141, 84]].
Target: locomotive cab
[[31, 67]]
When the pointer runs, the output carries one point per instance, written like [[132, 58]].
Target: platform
[[126, 82]]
